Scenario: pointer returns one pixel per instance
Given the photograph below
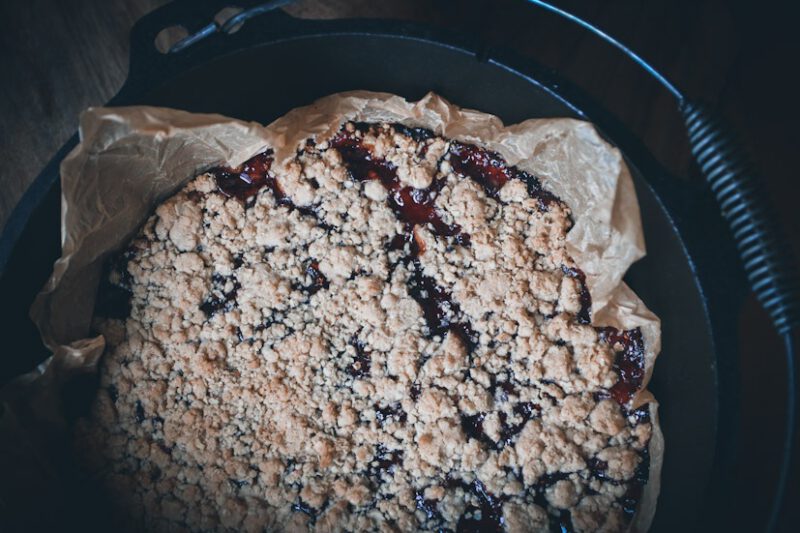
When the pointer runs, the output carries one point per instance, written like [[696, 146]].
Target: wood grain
[[59, 57]]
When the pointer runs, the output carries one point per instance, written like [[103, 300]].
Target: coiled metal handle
[[765, 251]]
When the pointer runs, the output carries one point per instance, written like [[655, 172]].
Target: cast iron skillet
[[276, 63]]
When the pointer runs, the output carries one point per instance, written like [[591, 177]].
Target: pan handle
[[229, 25], [765, 251], [198, 19]]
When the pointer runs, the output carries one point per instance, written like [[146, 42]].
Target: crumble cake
[[388, 336]]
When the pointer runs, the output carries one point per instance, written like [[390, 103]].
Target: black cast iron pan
[[275, 63]]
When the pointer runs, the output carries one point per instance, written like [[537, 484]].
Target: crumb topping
[[389, 335]]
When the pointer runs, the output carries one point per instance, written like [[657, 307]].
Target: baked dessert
[[390, 335]]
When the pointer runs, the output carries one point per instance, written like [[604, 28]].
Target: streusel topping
[[388, 336]]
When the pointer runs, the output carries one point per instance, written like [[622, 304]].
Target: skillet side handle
[[765, 251], [197, 18]]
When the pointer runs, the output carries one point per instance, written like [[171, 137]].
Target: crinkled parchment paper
[[132, 158]]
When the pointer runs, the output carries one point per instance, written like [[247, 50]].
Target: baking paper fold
[[132, 158]]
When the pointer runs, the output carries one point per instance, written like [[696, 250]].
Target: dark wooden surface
[[59, 57]]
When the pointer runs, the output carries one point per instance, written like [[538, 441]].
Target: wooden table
[[59, 57]]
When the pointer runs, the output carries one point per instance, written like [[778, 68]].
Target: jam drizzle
[[385, 462], [318, 279], [139, 412], [584, 315], [361, 362], [482, 166], [418, 134], [630, 500], [429, 507], [524, 410], [487, 516], [302, 507], [245, 181], [438, 308], [629, 361], [491, 171], [472, 425], [388, 413], [411, 205], [220, 299]]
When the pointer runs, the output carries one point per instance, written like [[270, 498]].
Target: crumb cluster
[[388, 335]]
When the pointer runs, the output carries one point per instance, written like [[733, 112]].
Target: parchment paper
[[130, 159]]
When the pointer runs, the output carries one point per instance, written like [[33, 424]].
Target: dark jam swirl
[[584, 315], [490, 170], [628, 362], [244, 181], [411, 205]]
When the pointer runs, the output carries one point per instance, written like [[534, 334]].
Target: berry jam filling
[[318, 281], [490, 170], [629, 361], [641, 415], [415, 391], [114, 298], [524, 411], [113, 392], [630, 500], [559, 520], [418, 134], [302, 507], [585, 314], [472, 425], [244, 181], [598, 469], [503, 390], [384, 462], [486, 516], [220, 299], [411, 205], [139, 412], [237, 483], [361, 362], [485, 167], [389, 413], [429, 507], [440, 311]]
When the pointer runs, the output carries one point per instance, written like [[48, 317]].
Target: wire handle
[[229, 25], [765, 251]]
